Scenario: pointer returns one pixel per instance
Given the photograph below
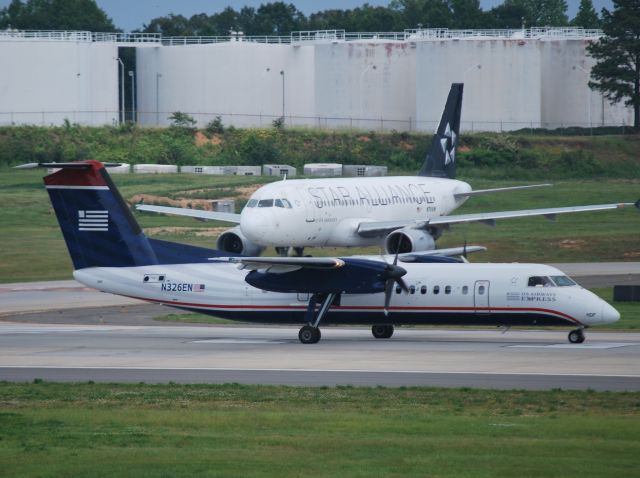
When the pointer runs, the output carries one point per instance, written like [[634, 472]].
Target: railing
[[299, 37], [78, 36], [257, 120]]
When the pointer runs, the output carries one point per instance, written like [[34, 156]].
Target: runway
[[63, 331], [346, 356]]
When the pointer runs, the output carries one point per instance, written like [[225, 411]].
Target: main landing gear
[[382, 331], [576, 336], [310, 333]]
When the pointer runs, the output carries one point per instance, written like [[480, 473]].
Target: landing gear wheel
[[309, 335], [382, 331], [576, 336]]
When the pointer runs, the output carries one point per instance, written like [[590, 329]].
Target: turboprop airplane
[[401, 213], [111, 253]]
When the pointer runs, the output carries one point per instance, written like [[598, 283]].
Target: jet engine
[[234, 241], [409, 240]]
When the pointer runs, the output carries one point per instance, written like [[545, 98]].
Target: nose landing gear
[[576, 336]]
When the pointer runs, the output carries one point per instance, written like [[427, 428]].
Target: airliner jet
[[401, 213], [111, 253]]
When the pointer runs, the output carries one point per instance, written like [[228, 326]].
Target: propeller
[[393, 273]]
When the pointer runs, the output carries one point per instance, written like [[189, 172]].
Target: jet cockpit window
[[286, 203], [252, 203], [278, 203], [540, 281], [265, 203], [563, 281]]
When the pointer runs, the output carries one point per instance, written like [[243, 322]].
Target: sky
[[133, 14]]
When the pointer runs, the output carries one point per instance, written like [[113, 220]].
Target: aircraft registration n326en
[[111, 253], [401, 213]]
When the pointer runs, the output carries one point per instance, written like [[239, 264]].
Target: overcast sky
[[132, 14]]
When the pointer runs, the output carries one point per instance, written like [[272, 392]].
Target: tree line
[[281, 18]]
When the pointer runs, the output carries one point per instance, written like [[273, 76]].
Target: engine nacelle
[[234, 241], [409, 240]]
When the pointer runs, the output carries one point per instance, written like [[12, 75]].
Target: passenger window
[[465, 290], [412, 289], [481, 290], [447, 289], [398, 289], [265, 203], [436, 289], [423, 289], [252, 203]]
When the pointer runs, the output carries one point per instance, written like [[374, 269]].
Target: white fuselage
[[438, 294], [327, 212]]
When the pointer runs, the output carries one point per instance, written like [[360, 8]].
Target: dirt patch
[[186, 231], [201, 139], [572, 244], [364, 139], [203, 204]]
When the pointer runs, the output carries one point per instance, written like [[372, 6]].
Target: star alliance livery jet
[[111, 253], [401, 213]]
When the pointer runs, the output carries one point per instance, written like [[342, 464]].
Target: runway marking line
[[421, 372]]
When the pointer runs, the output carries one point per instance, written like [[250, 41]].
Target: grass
[[33, 248], [49, 429]]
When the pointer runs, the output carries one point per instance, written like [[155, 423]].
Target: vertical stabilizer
[[96, 223], [441, 157]]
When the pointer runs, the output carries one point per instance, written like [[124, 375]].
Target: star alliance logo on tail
[[448, 144], [93, 220]]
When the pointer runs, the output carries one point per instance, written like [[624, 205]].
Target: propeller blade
[[400, 281], [388, 290]]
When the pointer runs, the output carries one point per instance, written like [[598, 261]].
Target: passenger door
[[481, 297]]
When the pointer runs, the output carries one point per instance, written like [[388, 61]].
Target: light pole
[[132, 75], [121, 90], [282, 73], [158, 76], [588, 98]]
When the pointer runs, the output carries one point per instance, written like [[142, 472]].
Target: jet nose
[[609, 314], [255, 224]]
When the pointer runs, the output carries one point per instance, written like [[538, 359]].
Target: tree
[[56, 15], [535, 13], [428, 13], [617, 71], [586, 16]]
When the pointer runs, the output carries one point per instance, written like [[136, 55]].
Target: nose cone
[[609, 314], [255, 224]]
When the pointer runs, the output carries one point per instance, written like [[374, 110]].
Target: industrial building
[[323, 170], [363, 170], [513, 79], [279, 170]]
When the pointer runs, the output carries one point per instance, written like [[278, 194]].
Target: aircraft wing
[[372, 229], [280, 265], [479, 192], [195, 213]]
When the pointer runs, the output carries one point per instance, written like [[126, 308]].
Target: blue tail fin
[[96, 223], [441, 158]]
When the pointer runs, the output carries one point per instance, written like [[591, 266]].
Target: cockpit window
[[540, 281], [563, 281], [252, 203], [286, 203], [265, 203], [278, 203]]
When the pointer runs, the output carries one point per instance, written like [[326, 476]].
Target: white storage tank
[[323, 170], [248, 171], [278, 170], [213, 170], [155, 168], [360, 170], [124, 168]]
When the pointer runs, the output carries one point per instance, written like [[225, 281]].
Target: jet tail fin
[[441, 158], [97, 225]]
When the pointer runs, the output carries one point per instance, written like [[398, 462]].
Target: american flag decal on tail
[[93, 220]]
